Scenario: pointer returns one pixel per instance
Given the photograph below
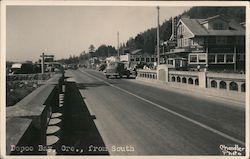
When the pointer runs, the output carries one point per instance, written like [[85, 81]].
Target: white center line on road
[[172, 112]]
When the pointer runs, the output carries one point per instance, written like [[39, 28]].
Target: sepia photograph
[[110, 79]]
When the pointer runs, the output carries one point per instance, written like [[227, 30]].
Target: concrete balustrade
[[220, 81], [226, 81], [31, 116], [149, 74]]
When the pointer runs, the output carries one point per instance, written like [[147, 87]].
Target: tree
[[92, 50]]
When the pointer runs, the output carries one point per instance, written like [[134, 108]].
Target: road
[[154, 121]]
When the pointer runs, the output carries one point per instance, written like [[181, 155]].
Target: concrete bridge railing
[[226, 81], [27, 121], [188, 77], [148, 74], [220, 81]]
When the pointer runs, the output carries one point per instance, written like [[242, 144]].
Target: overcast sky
[[69, 30]]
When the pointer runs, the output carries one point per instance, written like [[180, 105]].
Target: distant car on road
[[72, 66], [116, 69]]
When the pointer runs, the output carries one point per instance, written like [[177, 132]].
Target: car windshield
[[113, 64]]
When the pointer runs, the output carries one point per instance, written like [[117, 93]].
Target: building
[[217, 43], [136, 57], [112, 59]]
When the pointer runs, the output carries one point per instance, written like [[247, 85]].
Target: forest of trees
[[147, 40]]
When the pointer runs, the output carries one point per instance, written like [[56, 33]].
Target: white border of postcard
[[114, 3]]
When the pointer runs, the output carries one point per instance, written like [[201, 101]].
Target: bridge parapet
[[188, 77], [221, 81], [226, 81], [147, 74], [32, 115]]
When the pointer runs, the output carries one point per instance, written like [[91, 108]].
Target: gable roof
[[135, 52], [196, 27], [215, 17]]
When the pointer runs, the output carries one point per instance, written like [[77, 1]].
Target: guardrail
[[187, 77], [27, 120], [148, 74], [221, 81], [227, 81]]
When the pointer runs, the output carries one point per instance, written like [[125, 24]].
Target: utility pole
[[158, 36], [108, 51], [42, 63], [118, 47]]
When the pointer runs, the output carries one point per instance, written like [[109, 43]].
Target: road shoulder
[[235, 99]]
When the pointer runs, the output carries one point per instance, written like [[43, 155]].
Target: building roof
[[222, 17], [196, 27], [138, 51]]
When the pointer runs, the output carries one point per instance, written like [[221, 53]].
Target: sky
[[68, 30]]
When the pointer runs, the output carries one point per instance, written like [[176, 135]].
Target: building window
[[132, 60], [220, 58], [202, 58], [137, 59], [193, 58], [230, 58], [142, 59], [147, 59], [211, 58], [240, 57], [218, 26], [152, 59], [185, 42], [170, 62], [221, 40], [240, 40]]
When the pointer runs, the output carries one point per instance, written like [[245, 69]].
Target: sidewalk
[[235, 98], [79, 131]]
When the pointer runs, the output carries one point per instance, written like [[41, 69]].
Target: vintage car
[[116, 69]]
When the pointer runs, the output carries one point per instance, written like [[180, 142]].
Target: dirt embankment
[[19, 86]]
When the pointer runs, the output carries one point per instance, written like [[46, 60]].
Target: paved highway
[[137, 119]]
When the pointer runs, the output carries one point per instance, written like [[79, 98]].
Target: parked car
[[116, 69], [72, 66]]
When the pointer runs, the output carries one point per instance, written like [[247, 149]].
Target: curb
[[192, 92]]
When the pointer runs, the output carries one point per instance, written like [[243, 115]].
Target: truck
[[22, 68], [116, 69]]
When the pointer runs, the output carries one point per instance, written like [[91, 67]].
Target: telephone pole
[[118, 52], [158, 36], [42, 63]]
